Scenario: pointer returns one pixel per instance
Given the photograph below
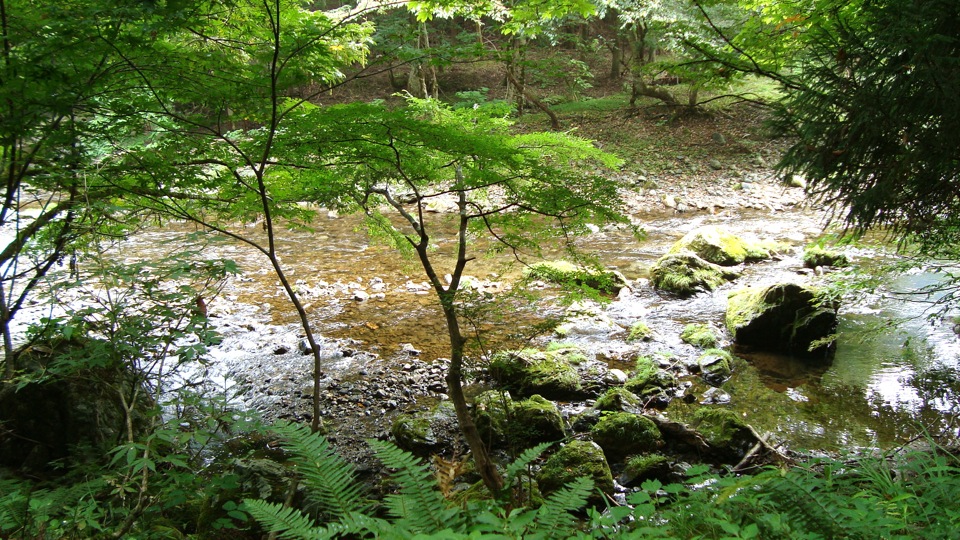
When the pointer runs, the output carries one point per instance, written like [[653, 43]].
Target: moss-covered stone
[[577, 459], [647, 378], [644, 467], [640, 331], [727, 434], [621, 434], [519, 424], [686, 274], [529, 371], [564, 272], [716, 366], [618, 399], [713, 244], [787, 318], [699, 335], [413, 433], [814, 256]]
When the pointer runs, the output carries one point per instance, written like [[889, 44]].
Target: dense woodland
[[120, 117]]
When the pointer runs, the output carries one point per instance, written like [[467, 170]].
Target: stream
[[380, 324]]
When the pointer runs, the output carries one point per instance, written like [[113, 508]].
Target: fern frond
[[524, 460], [555, 516], [285, 521], [330, 481], [799, 499], [419, 505]]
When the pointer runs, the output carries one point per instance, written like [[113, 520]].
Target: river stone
[[785, 318], [726, 433], [622, 434], [519, 424], [718, 246], [816, 256], [715, 366], [686, 274], [575, 460], [618, 400], [699, 335], [422, 433], [549, 373]]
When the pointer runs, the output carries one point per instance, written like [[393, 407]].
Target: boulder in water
[[786, 318]]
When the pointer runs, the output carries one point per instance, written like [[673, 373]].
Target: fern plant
[[418, 509]]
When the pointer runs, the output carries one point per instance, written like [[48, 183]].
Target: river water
[[879, 388]]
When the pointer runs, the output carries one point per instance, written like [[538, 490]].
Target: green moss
[[621, 434], [576, 459], [641, 466], [713, 244], [699, 335], [686, 274], [529, 372], [814, 256], [718, 426], [647, 378], [519, 424], [567, 273], [786, 317], [716, 365], [413, 432], [618, 399], [640, 331]]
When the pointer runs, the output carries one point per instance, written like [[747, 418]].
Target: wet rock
[[548, 373], [563, 272], [715, 164], [686, 274], [618, 400], [426, 432], [646, 467], [575, 460], [719, 246], [303, 346], [787, 318], [648, 379], [699, 335], [818, 257], [715, 366], [640, 331], [360, 295], [715, 396], [621, 434], [519, 424], [726, 433]]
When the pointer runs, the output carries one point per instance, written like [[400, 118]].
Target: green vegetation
[[640, 331], [699, 335], [621, 434]]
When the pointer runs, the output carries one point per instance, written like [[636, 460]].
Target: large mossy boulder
[[724, 431], [699, 335], [530, 371], [719, 246], [567, 273], [623, 434], [577, 459], [715, 366], [686, 274], [519, 424], [786, 318]]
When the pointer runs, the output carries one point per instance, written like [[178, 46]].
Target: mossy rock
[[686, 274], [814, 256], [529, 371], [648, 378], [699, 335], [645, 467], [577, 459], [713, 244], [425, 432], [413, 433], [621, 434], [640, 331], [618, 399], [786, 318], [726, 433], [519, 424], [564, 272], [716, 366]]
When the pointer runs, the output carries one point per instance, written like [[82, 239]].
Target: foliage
[[875, 91]]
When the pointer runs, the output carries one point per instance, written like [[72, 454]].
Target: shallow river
[[867, 396]]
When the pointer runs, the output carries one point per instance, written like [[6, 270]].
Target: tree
[[398, 161], [874, 105]]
